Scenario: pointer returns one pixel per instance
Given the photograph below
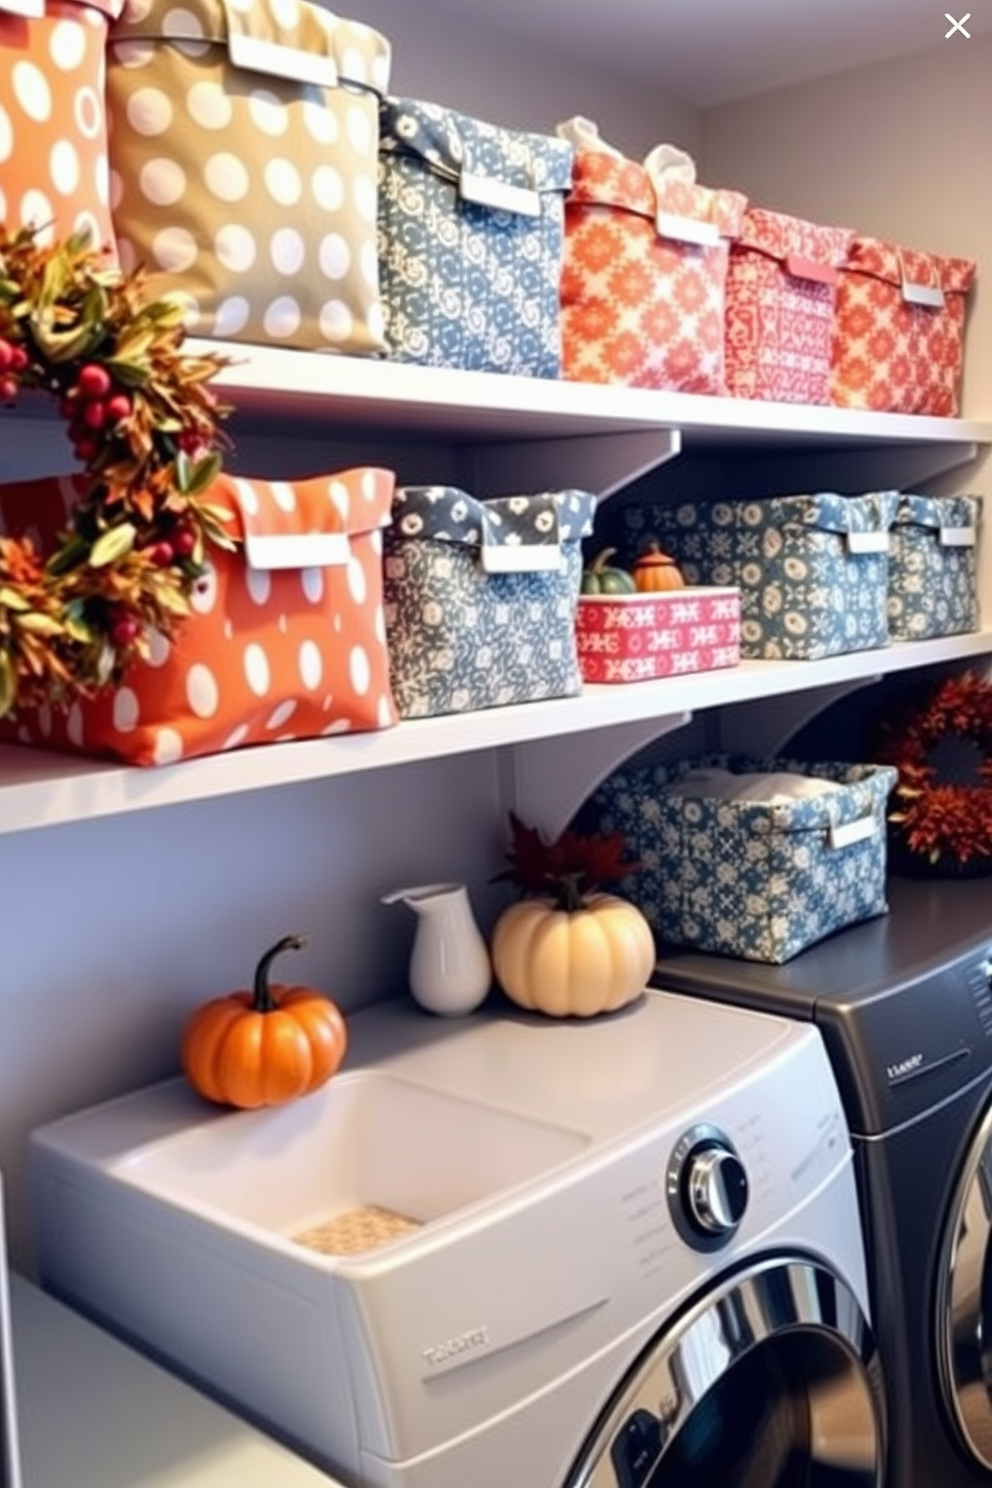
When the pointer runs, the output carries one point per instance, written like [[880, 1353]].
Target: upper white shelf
[[482, 406], [39, 789]]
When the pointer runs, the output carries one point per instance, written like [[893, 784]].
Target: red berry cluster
[[13, 359], [92, 407]]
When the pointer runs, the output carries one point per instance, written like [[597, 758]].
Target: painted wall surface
[[468, 66]]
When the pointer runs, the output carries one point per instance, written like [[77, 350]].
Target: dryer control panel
[[707, 1187]]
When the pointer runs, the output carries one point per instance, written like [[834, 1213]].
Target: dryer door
[[964, 1300], [769, 1381]]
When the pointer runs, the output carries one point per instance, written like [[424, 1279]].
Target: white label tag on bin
[[520, 557], [867, 542], [280, 61], [297, 549], [500, 195], [930, 295], [686, 229], [34, 10], [847, 833], [957, 537]]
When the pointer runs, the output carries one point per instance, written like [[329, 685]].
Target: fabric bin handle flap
[[868, 542], [500, 196], [810, 268], [687, 229], [846, 834], [33, 10], [298, 58], [957, 537], [930, 296], [303, 524], [529, 549]]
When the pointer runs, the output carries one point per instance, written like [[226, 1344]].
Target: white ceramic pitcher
[[450, 971]]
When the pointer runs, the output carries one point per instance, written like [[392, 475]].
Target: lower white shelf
[[39, 788], [93, 1413]]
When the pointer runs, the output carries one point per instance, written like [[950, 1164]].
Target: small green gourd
[[598, 577]]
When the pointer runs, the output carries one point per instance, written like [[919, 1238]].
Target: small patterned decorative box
[[646, 252], [634, 637], [933, 579], [471, 223], [898, 342], [751, 857], [781, 291], [53, 123], [243, 148], [813, 570], [481, 597]]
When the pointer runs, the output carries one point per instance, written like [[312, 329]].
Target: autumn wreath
[[941, 808], [144, 427]]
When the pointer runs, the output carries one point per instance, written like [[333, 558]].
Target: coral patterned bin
[[646, 254], [781, 293], [286, 639], [53, 125], [898, 343]]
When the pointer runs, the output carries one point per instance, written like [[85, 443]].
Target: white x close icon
[[957, 25]]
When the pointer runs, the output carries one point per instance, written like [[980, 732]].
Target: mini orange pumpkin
[[654, 572], [264, 1047]]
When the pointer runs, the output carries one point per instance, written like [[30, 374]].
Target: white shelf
[[332, 390], [39, 789]]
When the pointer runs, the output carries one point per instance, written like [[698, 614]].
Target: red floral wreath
[[143, 427], [943, 823]]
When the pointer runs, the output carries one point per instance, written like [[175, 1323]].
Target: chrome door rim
[[767, 1298], [963, 1335]]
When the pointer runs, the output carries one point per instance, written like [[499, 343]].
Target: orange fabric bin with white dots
[[287, 639], [244, 142], [54, 175]]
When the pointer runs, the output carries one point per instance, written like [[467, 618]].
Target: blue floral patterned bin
[[471, 239], [758, 879], [813, 570], [481, 597], [933, 578]]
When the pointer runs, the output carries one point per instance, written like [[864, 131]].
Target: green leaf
[[12, 600], [39, 625], [184, 471], [128, 374], [71, 555], [8, 683], [204, 473], [113, 545]]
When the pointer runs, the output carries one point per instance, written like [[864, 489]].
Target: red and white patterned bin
[[645, 268], [781, 291], [54, 175], [636, 637], [898, 343]]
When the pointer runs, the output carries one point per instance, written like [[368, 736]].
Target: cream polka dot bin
[[53, 125], [243, 154], [287, 639]]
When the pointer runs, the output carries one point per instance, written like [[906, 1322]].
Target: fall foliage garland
[[939, 821], [143, 426]]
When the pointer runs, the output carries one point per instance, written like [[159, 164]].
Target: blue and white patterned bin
[[813, 570], [756, 879], [471, 240], [933, 569], [481, 597]]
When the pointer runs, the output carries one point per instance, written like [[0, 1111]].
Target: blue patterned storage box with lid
[[933, 574], [471, 235], [481, 596], [755, 858], [813, 570]]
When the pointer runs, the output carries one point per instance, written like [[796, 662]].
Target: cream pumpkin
[[573, 956]]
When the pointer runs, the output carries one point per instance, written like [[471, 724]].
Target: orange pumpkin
[[264, 1047], [654, 572]]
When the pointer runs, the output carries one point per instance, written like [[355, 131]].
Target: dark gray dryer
[[904, 1003]]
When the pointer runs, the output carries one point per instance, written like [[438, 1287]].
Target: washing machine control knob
[[707, 1187], [716, 1190]]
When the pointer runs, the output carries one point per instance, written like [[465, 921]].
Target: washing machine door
[[964, 1300], [769, 1381]]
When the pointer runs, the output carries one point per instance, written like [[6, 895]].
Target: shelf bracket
[[602, 463], [545, 781]]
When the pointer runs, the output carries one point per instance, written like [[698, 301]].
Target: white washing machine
[[624, 1253]]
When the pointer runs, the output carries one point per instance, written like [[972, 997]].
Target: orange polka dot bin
[[54, 174], [287, 637], [244, 150]]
